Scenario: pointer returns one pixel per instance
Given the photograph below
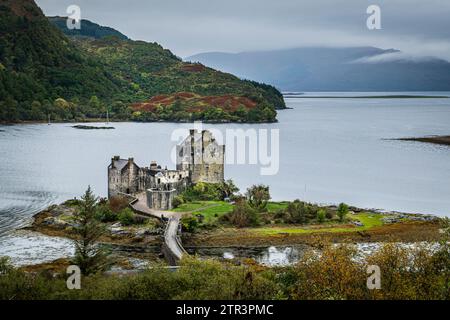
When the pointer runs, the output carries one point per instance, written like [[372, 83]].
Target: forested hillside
[[44, 73]]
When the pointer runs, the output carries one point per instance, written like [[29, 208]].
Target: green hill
[[38, 63], [43, 72], [88, 29]]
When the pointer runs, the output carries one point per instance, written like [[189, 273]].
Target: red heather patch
[[196, 103], [196, 67]]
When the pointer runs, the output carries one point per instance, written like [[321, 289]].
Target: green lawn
[[275, 206], [195, 205], [369, 221], [209, 209]]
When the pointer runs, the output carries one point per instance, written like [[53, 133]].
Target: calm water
[[331, 150]]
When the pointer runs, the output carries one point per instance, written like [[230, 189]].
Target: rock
[[389, 220], [423, 218], [55, 223], [48, 221], [119, 231], [358, 223], [142, 233]]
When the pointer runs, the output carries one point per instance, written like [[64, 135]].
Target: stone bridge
[[172, 247]]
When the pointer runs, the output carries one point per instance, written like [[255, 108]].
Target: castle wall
[[160, 199]]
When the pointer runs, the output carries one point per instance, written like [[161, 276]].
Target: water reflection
[[279, 256], [268, 256]]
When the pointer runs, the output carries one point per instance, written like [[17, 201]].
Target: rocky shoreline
[[55, 221], [139, 244]]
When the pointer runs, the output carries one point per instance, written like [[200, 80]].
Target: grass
[[275, 206], [212, 210], [209, 209], [195, 205], [369, 221]]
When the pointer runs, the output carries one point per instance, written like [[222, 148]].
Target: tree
[[36, 111], [342, 211], [61, 103], [10, 110], [258, 196], [90, 257], [228, 188]]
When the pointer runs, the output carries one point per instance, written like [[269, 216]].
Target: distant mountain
[[88, 29], [45, 73], [334, 69]]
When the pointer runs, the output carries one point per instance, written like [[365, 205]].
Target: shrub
[[177, 201], [126, 217], [342, 211], [329, 214], [117, 203], [105, 214], [321, 215], [72, 202], [189, 224], [243, 215], [300, 212], [203, 191]]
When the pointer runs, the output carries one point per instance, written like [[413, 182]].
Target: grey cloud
[[416, 27]]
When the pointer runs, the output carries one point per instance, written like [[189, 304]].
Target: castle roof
[[120, 164]]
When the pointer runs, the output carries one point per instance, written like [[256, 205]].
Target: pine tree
[[89, 256]]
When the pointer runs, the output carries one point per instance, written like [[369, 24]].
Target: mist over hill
[[334, 69]]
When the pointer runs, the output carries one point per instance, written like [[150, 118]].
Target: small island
[[85, 127], [442, 140]]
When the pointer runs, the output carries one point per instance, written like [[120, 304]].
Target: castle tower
[[201, 154]]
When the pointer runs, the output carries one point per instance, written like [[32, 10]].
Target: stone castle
[[200, 158]]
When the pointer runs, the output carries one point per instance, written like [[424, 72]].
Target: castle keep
[[199, 159]]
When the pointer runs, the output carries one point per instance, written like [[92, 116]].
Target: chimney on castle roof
[[130, 160]]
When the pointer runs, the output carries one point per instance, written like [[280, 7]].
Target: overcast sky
[[417, 27]]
